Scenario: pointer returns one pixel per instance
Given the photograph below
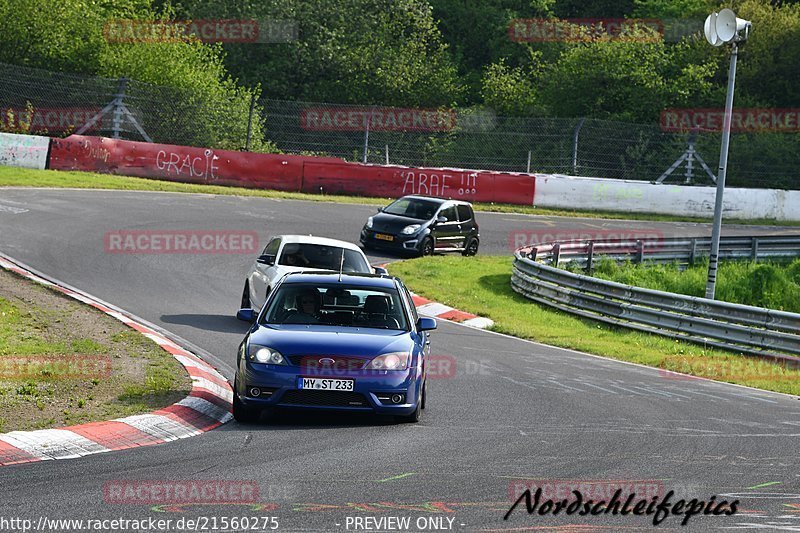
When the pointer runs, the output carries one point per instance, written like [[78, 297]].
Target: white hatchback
[[296, 253]]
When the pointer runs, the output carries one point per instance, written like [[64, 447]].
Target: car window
[[323, 256], [272, 247], [339, 305], [450, 213], [413, 208], [410, 300], [464, 213]]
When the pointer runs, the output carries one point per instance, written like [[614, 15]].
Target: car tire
[[246, 297], [426, 247], [424, 393], [242, 413], [414, 417], [471, 248]]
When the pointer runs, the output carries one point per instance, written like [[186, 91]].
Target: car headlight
[[408, 230], [369, 222], [263, 354], [390, 361]]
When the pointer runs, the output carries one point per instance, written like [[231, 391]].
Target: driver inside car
[[308, 308]]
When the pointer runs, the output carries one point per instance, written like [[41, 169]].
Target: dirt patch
[[63, 362]]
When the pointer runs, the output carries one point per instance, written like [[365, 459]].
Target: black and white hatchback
[[423, 225]]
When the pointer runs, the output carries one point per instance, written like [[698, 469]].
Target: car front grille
[[311, 363], [324, 398]]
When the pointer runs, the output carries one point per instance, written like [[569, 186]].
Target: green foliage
[[68, 35], [510, 90], [368, 52]]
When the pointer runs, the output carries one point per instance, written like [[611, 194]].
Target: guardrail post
[[534, 251], [693, 252], [639, 252], [556, 254], [754, 249], [590, 256]]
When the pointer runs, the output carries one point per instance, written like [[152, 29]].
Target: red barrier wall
[[284, 172], [393, 182]]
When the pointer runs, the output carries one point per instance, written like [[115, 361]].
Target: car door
[[466, 220], [262, 274], [446, 233]]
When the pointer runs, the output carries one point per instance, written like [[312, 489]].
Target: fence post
[[556, 254], [119, 105], [754, 249], [366, 135], [250, 122], [575, 145], [387, 153], [639, 252], [529, 163], [590, 257], [693, 252]]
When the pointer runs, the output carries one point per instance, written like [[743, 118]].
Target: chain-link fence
[[466, 138]]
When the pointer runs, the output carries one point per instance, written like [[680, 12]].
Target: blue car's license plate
[[345, 385]]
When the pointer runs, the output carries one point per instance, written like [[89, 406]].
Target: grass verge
[[490, 295], [65, 363], [22, 177], [765, 284]]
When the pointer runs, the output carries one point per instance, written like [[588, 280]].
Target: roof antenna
[[341, 265]]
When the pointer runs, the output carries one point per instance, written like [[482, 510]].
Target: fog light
[[255, 392], [397, 398]]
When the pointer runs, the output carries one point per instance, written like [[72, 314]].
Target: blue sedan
[[327, 341]]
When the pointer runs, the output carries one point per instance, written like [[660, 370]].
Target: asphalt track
[[512, 410]]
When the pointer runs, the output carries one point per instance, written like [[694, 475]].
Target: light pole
[[721, 28]]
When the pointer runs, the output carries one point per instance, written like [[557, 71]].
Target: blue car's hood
[[325, 340]]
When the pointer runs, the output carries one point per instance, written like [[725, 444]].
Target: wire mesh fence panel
[[474, 138]]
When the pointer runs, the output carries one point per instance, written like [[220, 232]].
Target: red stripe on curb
[[115, 435], [188, 416], [200, 373], [198, 392], [11, 455], [419, 300], [456, 316]]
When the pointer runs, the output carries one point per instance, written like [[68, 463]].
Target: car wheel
[[424, 393], [242, 413], [471, 249], [246, 296], [426, 247], [414, 417]]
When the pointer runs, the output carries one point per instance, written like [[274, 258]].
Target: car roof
[[360, 280], [437, 199], [311, 239]]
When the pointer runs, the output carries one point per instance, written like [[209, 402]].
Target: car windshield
[[336, 304], [322, 256], [413, 208]]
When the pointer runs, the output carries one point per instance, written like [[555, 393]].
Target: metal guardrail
[[679, 250], [740, 328]]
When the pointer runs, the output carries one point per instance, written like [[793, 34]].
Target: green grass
[[771, 285], [21, 177], [64, 363], [488, 293]]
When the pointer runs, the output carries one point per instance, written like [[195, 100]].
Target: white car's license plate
[[345, 385]]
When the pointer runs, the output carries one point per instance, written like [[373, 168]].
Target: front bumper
[[399, 243], [372, 391]]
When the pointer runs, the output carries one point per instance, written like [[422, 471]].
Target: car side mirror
[[247, 315], [381, 271], [441, 219], [380, 210], [266, 259], [426, 324]]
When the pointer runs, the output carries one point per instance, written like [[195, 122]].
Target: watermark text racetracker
[[652, 238], [181, 242], [199, 523]]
